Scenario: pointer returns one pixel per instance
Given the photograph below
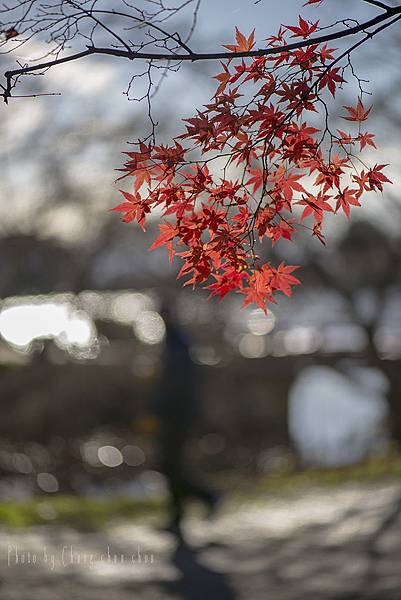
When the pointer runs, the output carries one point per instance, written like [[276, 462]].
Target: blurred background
[[305, 397]]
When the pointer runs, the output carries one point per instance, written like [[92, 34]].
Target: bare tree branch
[[171, 54], [378, 4]]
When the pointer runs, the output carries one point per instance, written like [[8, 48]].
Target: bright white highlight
[[20, 324]]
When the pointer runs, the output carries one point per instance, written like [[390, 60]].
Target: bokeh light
[[252, 346], [110, 456], [134, 456], [260, 323], [150, 328], [47, 482]]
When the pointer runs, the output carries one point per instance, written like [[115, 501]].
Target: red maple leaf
[[287, 182], [304, 29], [282, 279], [231, 280], [133, 208], [377, 178], [358, 113], [223, 78], [316, 206], [330, 79], [366, 139], [244, 44], [346, 199], [168, 231]]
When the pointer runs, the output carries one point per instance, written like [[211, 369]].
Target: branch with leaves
[[61, 21], [252, 164]]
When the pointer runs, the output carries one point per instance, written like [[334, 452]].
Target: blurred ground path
[[324, 543]]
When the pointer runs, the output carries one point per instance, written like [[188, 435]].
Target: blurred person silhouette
[[177, 406]]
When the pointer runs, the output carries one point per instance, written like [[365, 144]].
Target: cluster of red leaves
[[247, 162]]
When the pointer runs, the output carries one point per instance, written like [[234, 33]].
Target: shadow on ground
[[342, 544]]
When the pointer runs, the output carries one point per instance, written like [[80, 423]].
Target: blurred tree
[[365, 270], [27, 269]]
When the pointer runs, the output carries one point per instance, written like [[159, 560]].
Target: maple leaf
[[326, 53], [287, 182], [376, 178], [134, 208], [304, 29], [223, 78], [168, 231], [330, 175], [200, 128], [315, 205], [243, 44], [213, 218], [257, 179], [358, 113], [263, 221], [277, 39], [259, 290], [242, 216], [317, 232], [330, 79], [283, 230], [282, 279], [231, 280], [363, 181], [141, 176], [346, 138], [366, 139], [138, 166], [169, 155], [346, 198]]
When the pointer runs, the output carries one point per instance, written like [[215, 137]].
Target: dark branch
[[169, 55], [253, 53], [57, 61], [192, 57], [378, 4]]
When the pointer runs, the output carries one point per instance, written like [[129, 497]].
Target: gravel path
[[342, 543]]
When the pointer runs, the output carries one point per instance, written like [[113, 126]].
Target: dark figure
[[177, 406]]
